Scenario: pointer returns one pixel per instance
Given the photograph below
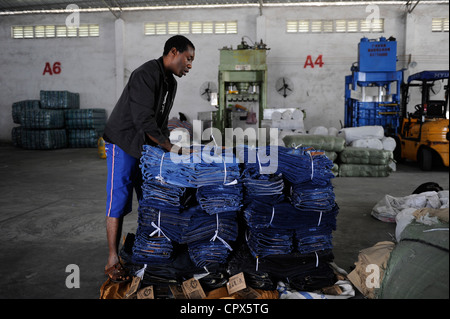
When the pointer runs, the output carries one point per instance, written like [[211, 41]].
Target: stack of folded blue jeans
[[171, 223], [192, 200], [310, 197], [295, 215], [304, 165], [262, 187], [202, 167], [209, 237], [220, 198], [151, 248]]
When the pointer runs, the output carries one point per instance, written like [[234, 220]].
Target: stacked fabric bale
[[42, 122], [84, 126], [59, 100], [366, 162], [40, 129], [289, 233], [368, 152], [190, 204], [330, 144]]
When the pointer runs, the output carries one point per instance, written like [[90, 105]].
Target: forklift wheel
[[425, 159]]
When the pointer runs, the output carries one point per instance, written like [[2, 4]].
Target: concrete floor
[[52, 215]]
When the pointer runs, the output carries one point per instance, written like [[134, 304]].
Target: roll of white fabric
[[286, 115], [276, 116], [318, 130], [355, 133], [297, 115], [388, 143], [333, 131], [368, 143]]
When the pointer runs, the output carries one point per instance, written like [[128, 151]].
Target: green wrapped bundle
[[331, 155], [418, 266], [359, 155], [83, 138], [318, 142], [42, 119], [59, 100], [43, 139], [19, 107], [85, 118], [363, 170]]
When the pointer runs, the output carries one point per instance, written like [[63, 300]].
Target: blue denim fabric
[[262, 187], [151, 249], [220, 198], [170, 223], [202, 226], [312, 243], [269, 241], [163, 195], [298, 165], [284, 215], [197, 169], [309, 197], [206, 253], [303, 165]]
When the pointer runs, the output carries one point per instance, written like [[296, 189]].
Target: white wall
[[88, 64]]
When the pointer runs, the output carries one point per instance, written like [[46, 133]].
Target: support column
[[260, 29], [409, 41], [119, 30]]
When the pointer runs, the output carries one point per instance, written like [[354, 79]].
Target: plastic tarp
[[318, 142]]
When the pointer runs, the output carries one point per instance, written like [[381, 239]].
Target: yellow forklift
[[424, 135]]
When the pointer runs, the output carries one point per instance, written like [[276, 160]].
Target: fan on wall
[[206, 89], [284, 86]]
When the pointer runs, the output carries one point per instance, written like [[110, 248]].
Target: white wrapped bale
[[355, 133]]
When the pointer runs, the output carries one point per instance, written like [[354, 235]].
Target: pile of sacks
[[355, 151], [211, 216]]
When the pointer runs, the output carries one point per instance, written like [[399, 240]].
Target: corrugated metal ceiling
[[24, 5], [27, 5]]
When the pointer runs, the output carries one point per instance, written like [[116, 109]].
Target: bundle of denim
[[307, 272], [202, 226], [301, 271], [309, 197], [209, 236], [205, 253], [241, 260], [282, 229], [314, 242], [298, 165], [171, 223], [263, 242], [266, 188], [220, 198], [301, 165], [284, 215], [165, 196], [199, 168], [151, 248]]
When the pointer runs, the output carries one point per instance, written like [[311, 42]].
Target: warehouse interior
[[298, 72]]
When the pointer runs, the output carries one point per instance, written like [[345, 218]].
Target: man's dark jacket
[[140, 109]]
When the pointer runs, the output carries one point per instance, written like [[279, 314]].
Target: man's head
[[178, 55]]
